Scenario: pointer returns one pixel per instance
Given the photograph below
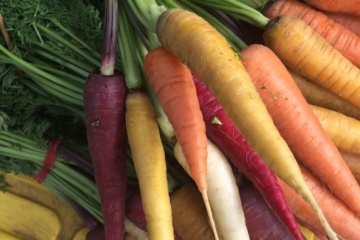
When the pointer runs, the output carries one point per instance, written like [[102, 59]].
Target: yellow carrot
[[319, 96], [207, 53], [149, 161], [307, 53], [344, 131]]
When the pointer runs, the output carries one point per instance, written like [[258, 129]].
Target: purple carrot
[[223, 133], [104, 104], [261, 221]]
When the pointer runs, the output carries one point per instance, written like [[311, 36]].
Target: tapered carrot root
[[341, 38], [343, 130], [298, 124], [310, 55], [344, 222], [149, 161], [207, 53], [320, 96], [189, 214]]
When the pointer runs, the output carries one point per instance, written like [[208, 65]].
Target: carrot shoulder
[[298, 125], [341, 38], [207, 53]]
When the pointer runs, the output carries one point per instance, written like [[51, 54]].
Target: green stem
[[81, 68], [128, 51], [52, 35], [96, 54], [238, 10], [57, 91], [28, 67]]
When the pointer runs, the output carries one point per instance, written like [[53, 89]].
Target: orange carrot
[[319, 96], [349, 21], [341, 38], [173, 84], [298, 125], [344, 222], [208, 54], [349, 6], [343, 130]]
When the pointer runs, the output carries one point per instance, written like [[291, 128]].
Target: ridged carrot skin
[[227, 137], [208, 54], [104, 105], [344, 131], [149, 160], [349, 21], [350, 6], [298, 125], [341, 38], [319, 96], [310, 55]]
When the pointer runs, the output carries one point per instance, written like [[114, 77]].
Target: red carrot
[[104, 104], [222, 132], [298, 125]]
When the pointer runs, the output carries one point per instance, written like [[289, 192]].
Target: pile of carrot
[[268, 135]]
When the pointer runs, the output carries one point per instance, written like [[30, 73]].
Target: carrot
[[319, 96], [222, 132], [173, 84], [224, 195], [207, 53], [134, 231], [135, 211], [298, 125], [349, 21], [104, 104], [343, 130], [260, 218], [149, 161], [304, 53], [353, 162], [190, 218], [349, 7], [341, 38], [344, 222]]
